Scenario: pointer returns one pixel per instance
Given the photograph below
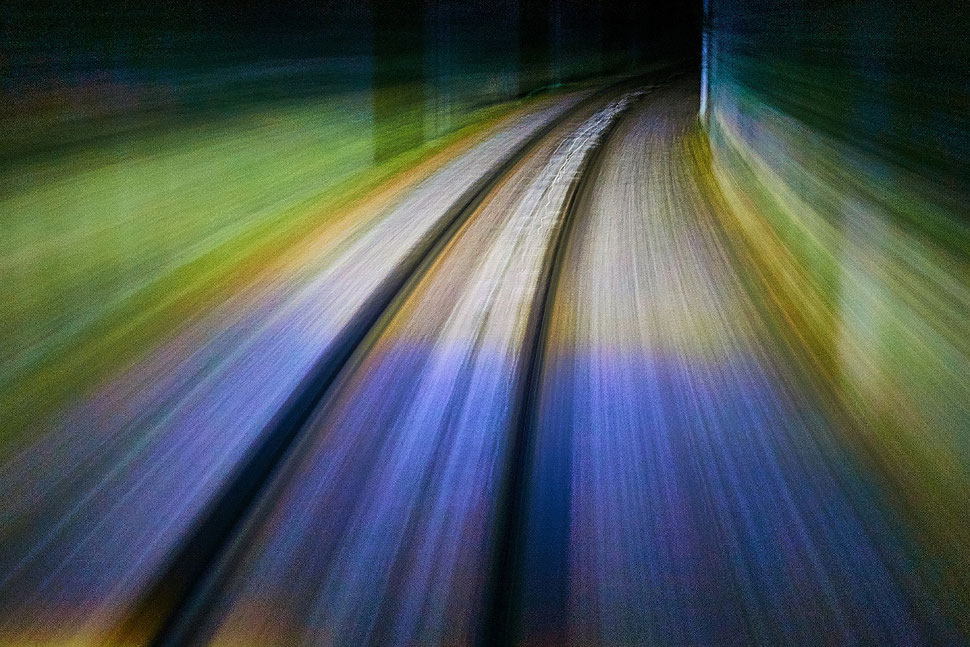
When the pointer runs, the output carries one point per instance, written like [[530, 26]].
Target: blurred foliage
[[151, 151], [839, 140]]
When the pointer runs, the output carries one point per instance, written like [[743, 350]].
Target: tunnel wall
[[838, 141]]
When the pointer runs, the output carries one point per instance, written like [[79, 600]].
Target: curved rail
[[170, 609]]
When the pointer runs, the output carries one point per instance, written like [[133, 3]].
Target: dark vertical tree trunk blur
[[398, 38], [534, 43]]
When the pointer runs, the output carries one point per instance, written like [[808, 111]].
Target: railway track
[[177, 606], [555, 407]]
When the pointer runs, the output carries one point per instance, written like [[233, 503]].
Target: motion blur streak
[[687, 485], [646, 322], [96, 505], [410, 456], [839, 141]]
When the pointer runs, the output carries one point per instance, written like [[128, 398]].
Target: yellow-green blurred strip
[[43, 368]]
